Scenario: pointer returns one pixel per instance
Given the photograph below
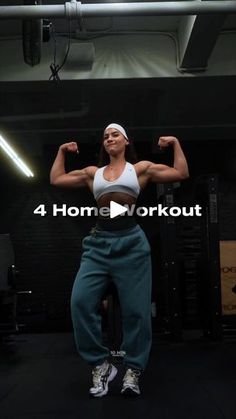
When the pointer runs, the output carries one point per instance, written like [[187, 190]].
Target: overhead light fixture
[[16, 159]]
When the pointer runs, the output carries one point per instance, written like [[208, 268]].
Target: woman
[[116, 248]]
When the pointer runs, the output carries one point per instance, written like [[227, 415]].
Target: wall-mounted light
[[16, 159]]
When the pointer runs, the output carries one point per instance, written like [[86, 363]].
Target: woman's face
[[114, 142]]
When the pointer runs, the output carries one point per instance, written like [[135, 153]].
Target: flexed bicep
[[73, 179], [163, 174]]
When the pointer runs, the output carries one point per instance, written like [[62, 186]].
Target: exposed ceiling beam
[[197, 37]]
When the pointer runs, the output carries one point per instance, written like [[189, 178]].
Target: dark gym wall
[[48, 249]]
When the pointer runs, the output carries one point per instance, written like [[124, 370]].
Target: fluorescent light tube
[[16, 159]]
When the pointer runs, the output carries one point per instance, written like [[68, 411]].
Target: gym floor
[[41, 376]]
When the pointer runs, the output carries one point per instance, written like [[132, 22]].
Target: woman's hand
[[165, 142], [71, 147]]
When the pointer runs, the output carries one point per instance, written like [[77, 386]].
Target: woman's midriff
[[119, 197]]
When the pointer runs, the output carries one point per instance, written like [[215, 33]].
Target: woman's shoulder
[[141, 166], [91, 170]]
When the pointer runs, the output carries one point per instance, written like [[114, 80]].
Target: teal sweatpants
[[124, 256]]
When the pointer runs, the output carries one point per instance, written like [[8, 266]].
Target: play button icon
[[116, 209]]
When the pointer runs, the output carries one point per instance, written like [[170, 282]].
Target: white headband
[[118, 127]]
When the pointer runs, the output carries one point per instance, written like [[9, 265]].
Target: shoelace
[[132, 376], [97, 375]]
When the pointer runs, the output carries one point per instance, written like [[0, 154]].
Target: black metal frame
[[209, 287]]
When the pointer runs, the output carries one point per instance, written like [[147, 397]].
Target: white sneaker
[[102, 375], [130, 383]]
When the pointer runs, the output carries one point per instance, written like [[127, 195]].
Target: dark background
[[48, 249]]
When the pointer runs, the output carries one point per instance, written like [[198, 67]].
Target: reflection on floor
[[41, 376]]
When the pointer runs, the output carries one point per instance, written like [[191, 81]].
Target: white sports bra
[[127, 182]]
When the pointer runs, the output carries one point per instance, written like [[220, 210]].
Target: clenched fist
[[70, 147], [164, 142]]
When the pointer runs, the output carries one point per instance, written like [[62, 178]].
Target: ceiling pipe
[[76, 10]]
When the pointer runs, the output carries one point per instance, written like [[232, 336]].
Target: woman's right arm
[[76, 178]]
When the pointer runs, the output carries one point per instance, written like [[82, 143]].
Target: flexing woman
[[116, 248]]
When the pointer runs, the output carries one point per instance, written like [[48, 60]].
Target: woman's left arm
[[162, 173]]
